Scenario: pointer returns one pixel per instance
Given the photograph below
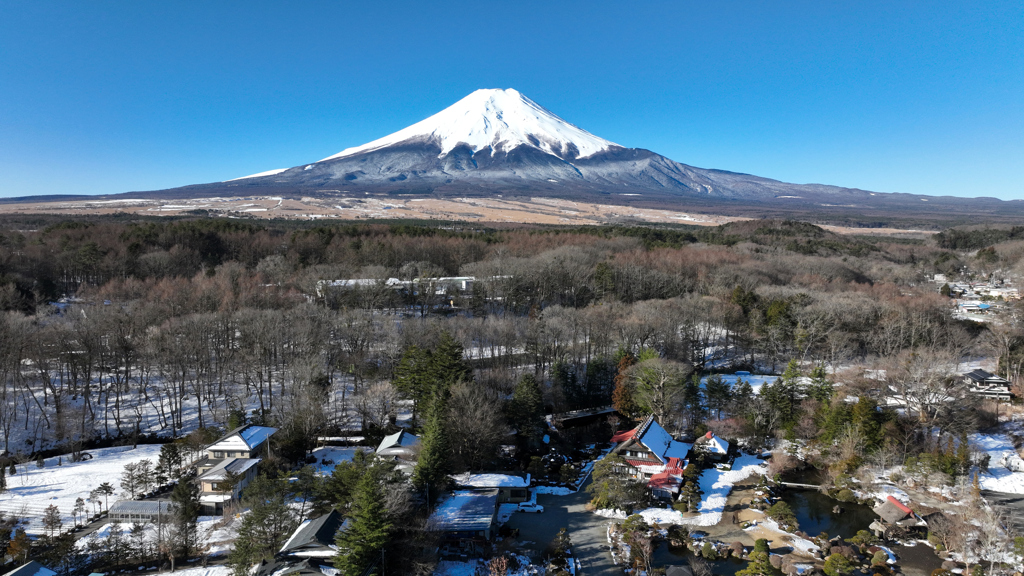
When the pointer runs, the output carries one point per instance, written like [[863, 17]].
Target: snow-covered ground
[[716, 485], [800, 545], [199, 571], [32, 489], [755, 380], [330, 456], [474, 567], [1005, 467], [219, 540]]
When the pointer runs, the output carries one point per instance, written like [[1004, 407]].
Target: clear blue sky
[[903, 96]]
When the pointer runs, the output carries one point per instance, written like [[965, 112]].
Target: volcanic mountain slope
[[499, 142]]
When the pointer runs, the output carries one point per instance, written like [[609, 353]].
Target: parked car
[[530, 507]]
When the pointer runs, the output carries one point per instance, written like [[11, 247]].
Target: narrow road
[[588, 531]]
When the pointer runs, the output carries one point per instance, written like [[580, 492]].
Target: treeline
[[41, 264], [175, 324]]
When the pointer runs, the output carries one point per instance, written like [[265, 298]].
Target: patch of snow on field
[[32, 489], [200, 571], [330, 456], [756, 381], [1003, 456], [473, 567]]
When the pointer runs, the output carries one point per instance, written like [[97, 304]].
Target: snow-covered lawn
[[1003, 456], [716, 485], [219, 540], [199, 571], [471, 567], [330, 456], [32, 489]]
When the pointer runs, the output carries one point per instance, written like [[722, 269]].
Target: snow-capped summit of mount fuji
[[498, 120]]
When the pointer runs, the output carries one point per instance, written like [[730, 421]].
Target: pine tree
[[185, 532], [265, 528], [130, 481], [561, 553], [79, 509], [369, 529], [821, 388], [691, 492], [526, 410], [52, 520], [448, 365], [435, 447], [413, 378], [106, 490], [760, 565]]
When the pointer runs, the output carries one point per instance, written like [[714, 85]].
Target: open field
[[497, 210]]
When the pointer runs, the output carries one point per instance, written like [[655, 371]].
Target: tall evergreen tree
[[448, 365], [185, 531], [526, 410], [413, 378], [265, 528], [821, 388], [369, 530], [434, 464]]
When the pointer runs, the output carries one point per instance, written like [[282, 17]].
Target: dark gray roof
[[141, 507], [981, 376], [33, 568], [317, 533], [678, 571]]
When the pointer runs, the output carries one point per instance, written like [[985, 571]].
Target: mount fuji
[[500, 142]]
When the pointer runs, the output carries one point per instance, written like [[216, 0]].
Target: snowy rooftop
[[256, 435], [399, 439], [33, 568], [469, 511], [491, 480]]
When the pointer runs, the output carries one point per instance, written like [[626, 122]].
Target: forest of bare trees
[[171, 325]]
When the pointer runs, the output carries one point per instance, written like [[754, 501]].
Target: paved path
[[588, 531]]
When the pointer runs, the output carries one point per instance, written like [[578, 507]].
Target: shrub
[[863, 538], [783, 514], [880, 558], [846, 495], [761, 545], [708, 552], [838, 565]]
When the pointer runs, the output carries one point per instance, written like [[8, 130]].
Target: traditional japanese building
[[652, 454]]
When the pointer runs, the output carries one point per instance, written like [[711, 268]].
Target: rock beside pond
[[837, 509]]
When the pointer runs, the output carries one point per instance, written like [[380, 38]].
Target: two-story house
[[230, 465], [988, 385], [652, 454]]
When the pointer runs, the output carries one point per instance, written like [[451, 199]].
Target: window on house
[[217, 454], [519, 493], [213, 485]]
